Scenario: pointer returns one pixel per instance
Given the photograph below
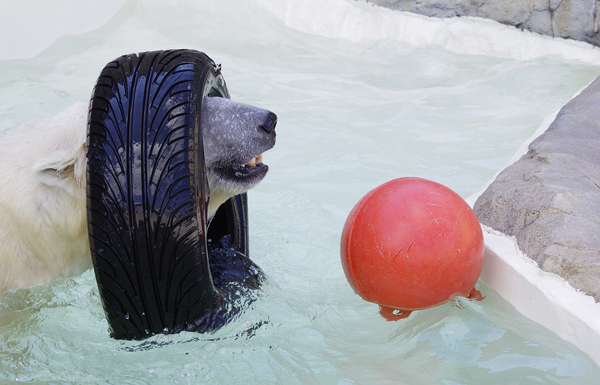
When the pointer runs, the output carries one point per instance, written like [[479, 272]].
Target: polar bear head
[[235, 135]]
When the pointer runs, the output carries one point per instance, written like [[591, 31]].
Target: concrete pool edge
[[359, 20], [545, 298], [574, 19]]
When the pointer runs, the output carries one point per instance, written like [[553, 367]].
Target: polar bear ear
[[61, 168]]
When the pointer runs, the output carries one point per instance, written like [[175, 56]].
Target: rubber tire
[[147, 193]]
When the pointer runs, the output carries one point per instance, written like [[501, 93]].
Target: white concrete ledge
[[357, 20], [543, 297]]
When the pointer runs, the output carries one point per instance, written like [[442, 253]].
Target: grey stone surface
[[550, 198], [573, 19]]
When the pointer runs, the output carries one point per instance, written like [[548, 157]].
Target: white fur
[[43, 229]]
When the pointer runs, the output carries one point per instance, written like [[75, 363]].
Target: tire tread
[[145, 192]]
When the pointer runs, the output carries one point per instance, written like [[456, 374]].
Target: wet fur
[[250, 132]]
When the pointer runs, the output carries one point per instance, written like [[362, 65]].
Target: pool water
[[352, 115]]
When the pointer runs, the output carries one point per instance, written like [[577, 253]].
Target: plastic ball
[[412, 244]]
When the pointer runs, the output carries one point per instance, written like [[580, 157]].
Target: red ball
[[412, 244]]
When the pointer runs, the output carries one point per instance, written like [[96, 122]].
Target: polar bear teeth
[[254, 161]]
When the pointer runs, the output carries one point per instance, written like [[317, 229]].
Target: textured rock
[[550, 198], [573, 19]]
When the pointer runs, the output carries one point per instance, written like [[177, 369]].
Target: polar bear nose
[[270, 123]]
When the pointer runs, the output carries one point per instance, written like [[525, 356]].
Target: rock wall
[[550, 198], [572, 19]]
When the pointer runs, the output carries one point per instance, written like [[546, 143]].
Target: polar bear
[[43, 223]]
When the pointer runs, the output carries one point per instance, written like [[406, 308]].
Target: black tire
[[147, 193]]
